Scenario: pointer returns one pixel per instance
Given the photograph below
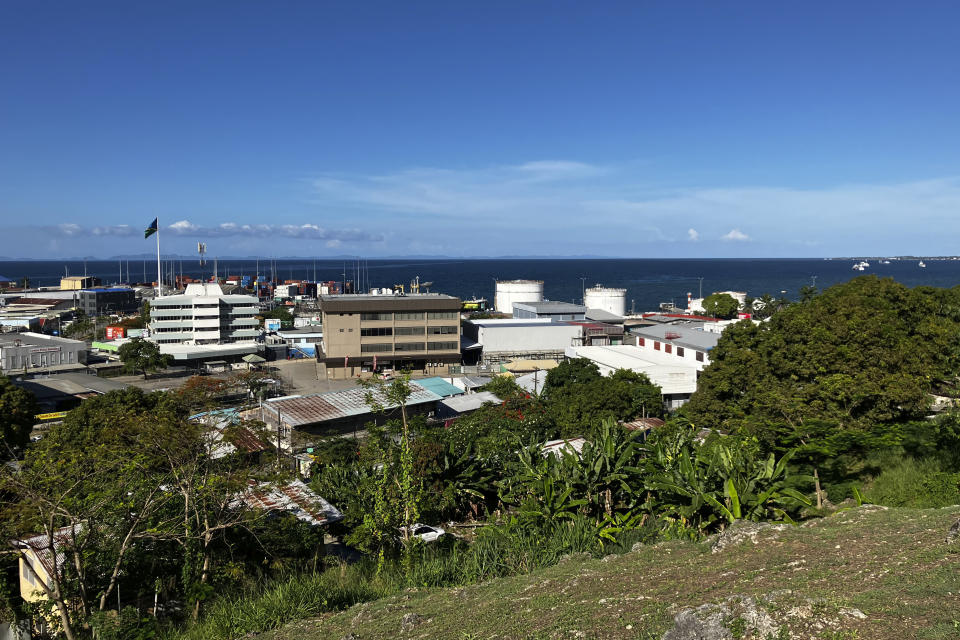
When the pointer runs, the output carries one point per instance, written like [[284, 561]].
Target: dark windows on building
[[442, 331], [409, 331], [443, 346], [409, 315], [699, 356], [376, 331], [442, 315], [409, 346], [376, 316], [680, 351], [376, 348]]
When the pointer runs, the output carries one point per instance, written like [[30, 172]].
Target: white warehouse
[[677, 382], [498, 341]]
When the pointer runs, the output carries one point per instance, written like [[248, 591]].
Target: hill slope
[[860, 574]]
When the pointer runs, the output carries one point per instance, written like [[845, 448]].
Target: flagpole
[[159, 285]]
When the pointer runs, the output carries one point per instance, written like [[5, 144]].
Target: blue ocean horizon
[[648, 282]]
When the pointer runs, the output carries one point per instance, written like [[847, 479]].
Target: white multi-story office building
[[203, 316]]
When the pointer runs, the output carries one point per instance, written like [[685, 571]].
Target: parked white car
[[424, 532]]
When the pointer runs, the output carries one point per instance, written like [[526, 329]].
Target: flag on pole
[[346, 360], [152, 229], [374, 363]]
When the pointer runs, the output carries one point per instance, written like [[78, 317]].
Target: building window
[[668, 348], [680, 351], [442, 346], [699, 356], [409, 331], [376, 348], [442, 315], [376, 316], [440, 331], [409, 346], [656, 346], [376, 331], [418, 315], [641, 342]]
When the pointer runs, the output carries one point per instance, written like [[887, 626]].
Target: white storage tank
[[510, 291], [607, 299]]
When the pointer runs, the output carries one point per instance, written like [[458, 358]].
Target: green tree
[[381, 396], [721, 305], [836, 375], [142, 355], [579, 399], [17, 410], [280, 313]]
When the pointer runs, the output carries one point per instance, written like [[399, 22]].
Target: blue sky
[[633, 129]]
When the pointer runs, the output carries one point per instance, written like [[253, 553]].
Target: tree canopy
[[721, 305], [141, 355], [859, 356], [17, 410]]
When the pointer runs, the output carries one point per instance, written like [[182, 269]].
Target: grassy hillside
[[860, 574]]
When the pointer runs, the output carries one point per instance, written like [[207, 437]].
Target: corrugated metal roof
[[440, 387], [693, 338], [471, 402], [296, 498], [303, 410]]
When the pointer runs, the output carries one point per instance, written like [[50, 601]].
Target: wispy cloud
[[735, 235], [692, 234], [185, 228]]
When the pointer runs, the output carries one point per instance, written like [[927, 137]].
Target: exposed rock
[[953, 532], [410, 621], [350, 636], [741, 531], [854, 613], [737, 616]]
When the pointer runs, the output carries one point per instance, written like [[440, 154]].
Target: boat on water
[[884, 262], [921, 264], [861, 266]]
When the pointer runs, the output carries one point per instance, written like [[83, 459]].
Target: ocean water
[[648, 282]]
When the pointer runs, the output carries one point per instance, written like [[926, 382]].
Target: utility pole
[[583, 290]]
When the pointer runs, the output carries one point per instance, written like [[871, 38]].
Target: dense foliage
[[143, 356], [721, 305], [17, 410]]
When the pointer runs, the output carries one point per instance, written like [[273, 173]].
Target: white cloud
[[185, 228], [735, 235], [693, 234]]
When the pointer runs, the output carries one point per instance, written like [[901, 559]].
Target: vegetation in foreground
[[861, 574]]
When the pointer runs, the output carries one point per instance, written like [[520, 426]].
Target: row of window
[[385, 347], [410, 315], [409, 331], [668, 348]]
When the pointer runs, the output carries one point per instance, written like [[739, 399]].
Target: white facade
[[510, 291], [525, 335], [608, 299], [203, 315], [676, 381], [695, 305]]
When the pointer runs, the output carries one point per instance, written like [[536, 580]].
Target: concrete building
[[107, 300], [366, 333], [203, 323], [677, 381], [673, 343], [548, 310], [599, 334], [38, 352], [302, 341], [492, 342]]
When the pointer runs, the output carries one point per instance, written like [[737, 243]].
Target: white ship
[[921, 265]]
